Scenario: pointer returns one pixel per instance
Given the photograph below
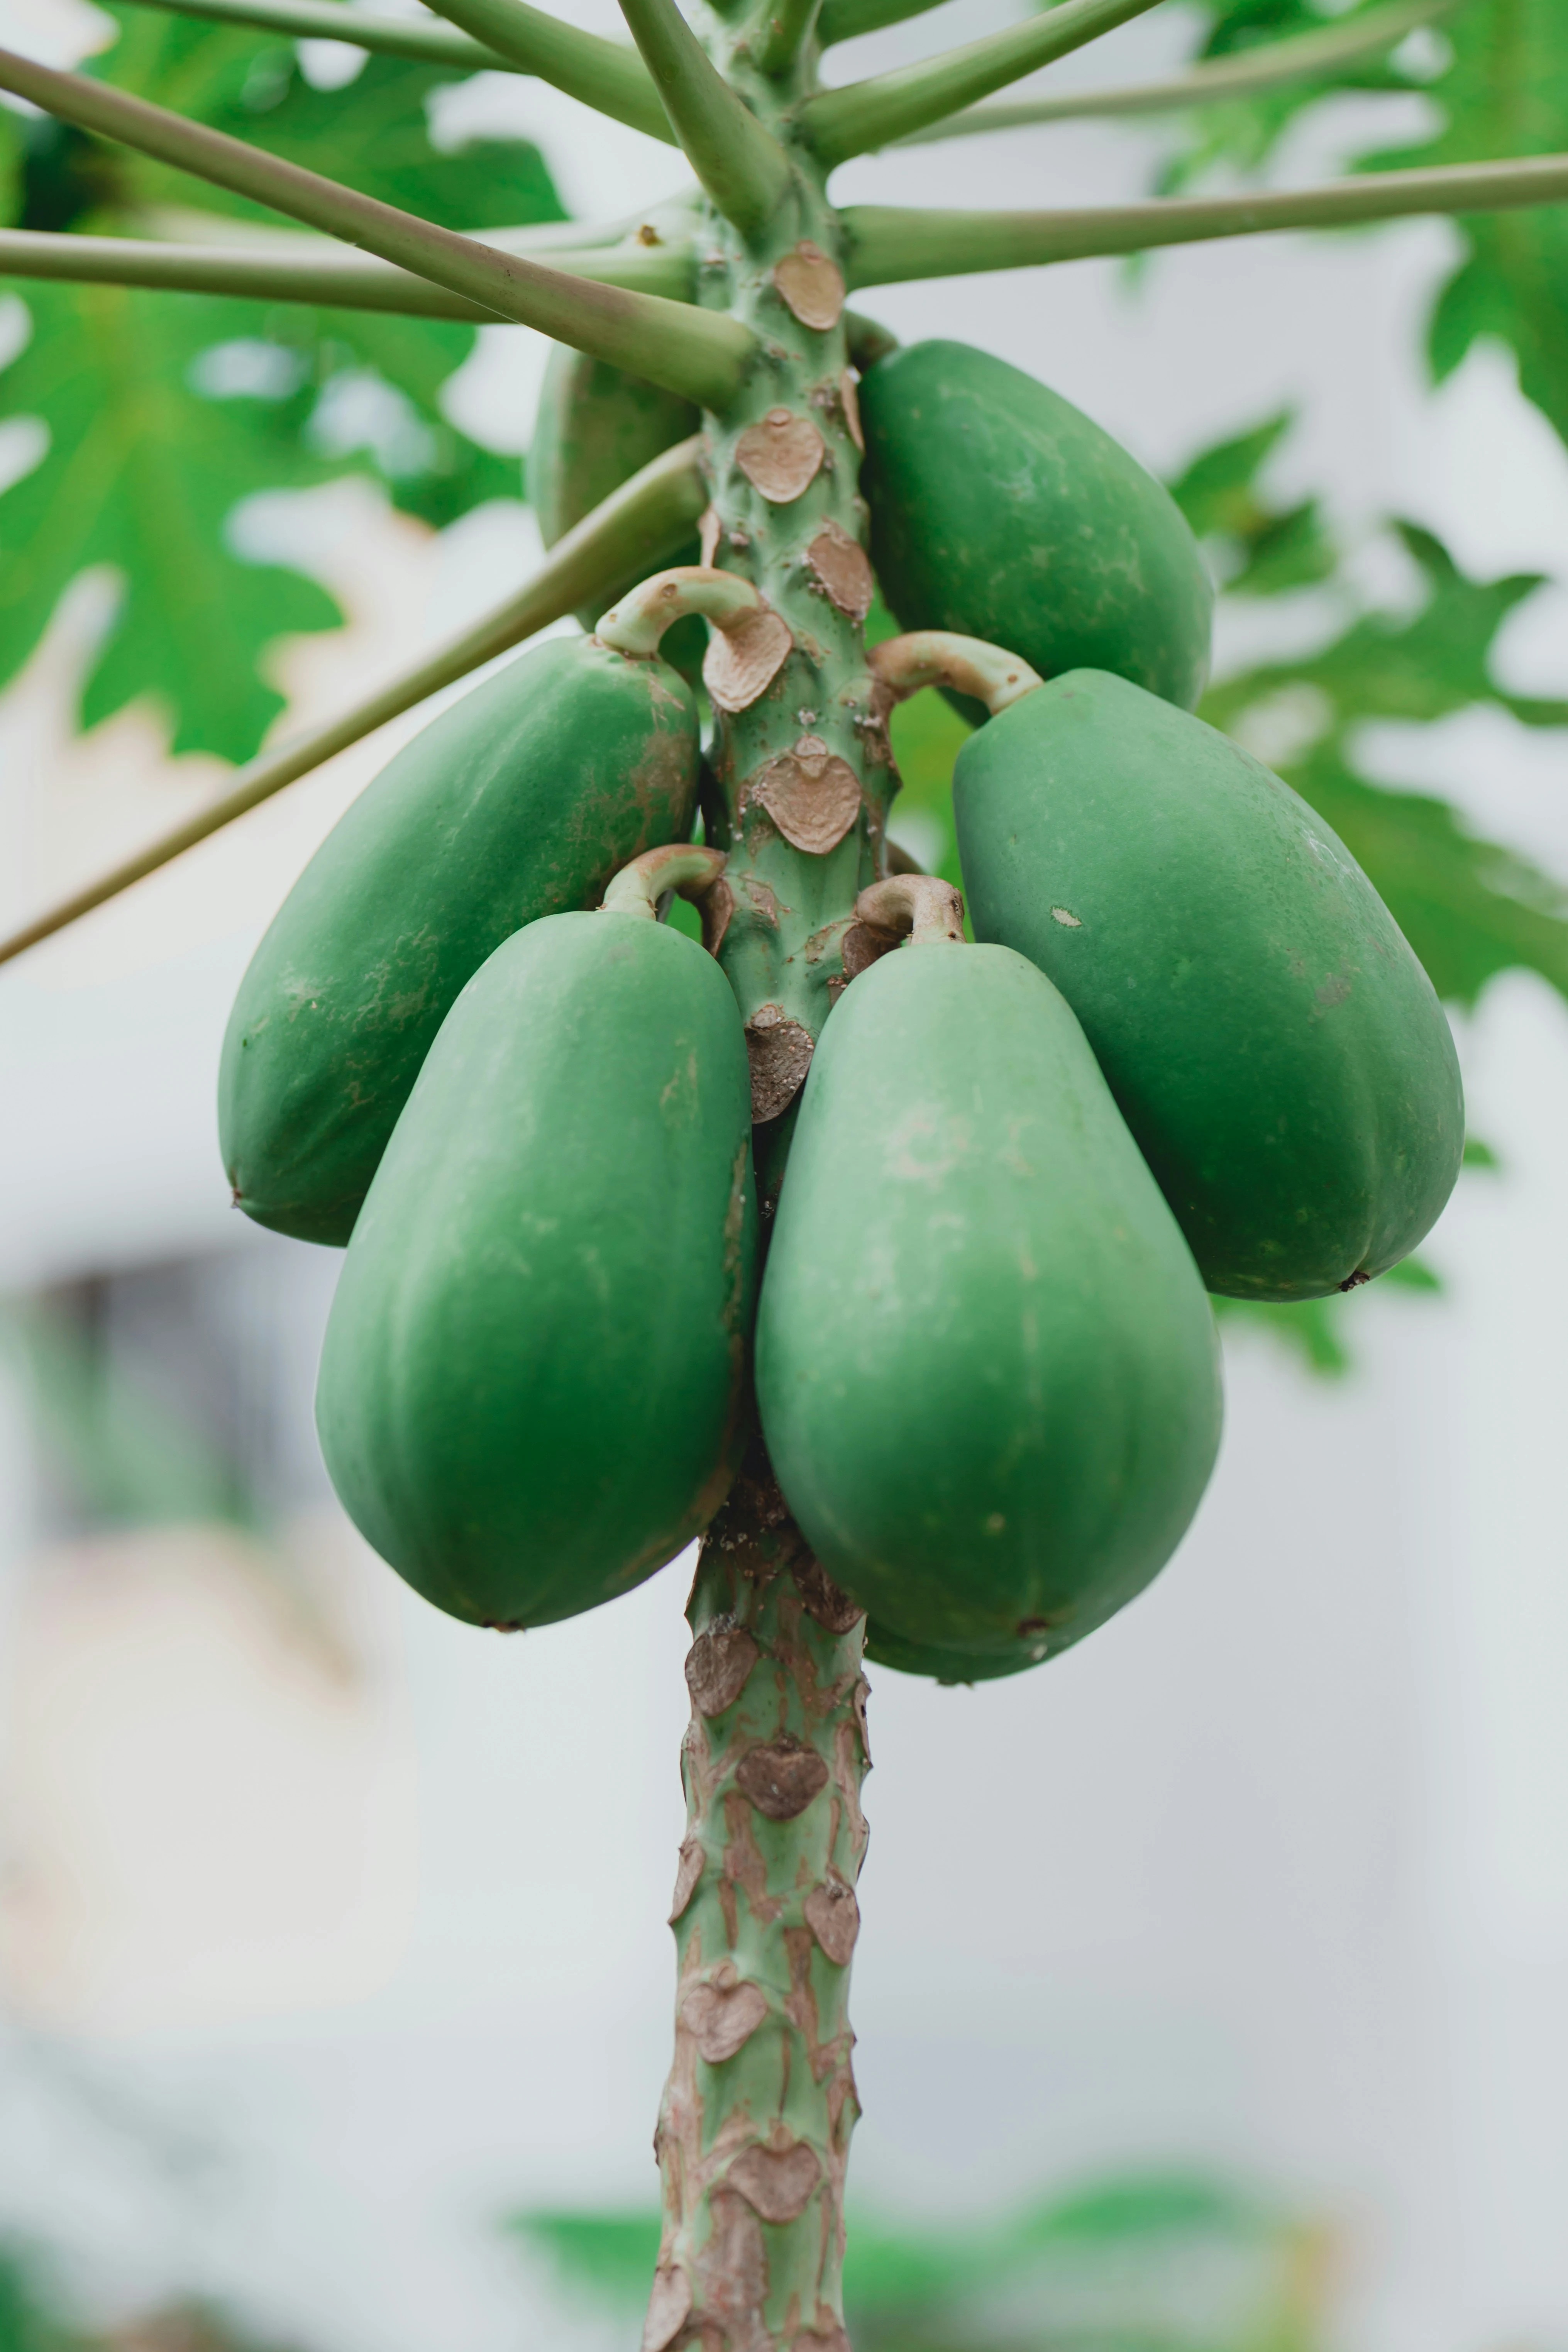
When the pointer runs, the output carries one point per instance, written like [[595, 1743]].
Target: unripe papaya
[[885, 1648], [985, 1367], [1001, 512], [531, 1388], [596, 427], [519, 801], [1271, 1039]]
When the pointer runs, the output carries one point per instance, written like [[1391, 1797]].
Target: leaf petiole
[[646, 518], [884, 245]]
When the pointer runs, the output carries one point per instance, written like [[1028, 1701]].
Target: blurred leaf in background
[[160, 414], [1167, 2262], [34, 2318], [1497, 72], [29, 2321]]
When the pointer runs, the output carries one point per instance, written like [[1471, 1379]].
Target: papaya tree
[[873, 1254]]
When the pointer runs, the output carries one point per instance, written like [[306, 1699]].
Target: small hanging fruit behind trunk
[[999, 510]]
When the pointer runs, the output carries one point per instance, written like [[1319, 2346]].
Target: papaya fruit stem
[[916, 905], [755, 2126], [638, 621], [901, 666], [685, 867]]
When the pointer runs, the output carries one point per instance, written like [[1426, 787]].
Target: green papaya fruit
[[519, 801], [1271, 1039], [1001, 512], [885, 1648], [531, 1394], [596, 427], [985, 1367]]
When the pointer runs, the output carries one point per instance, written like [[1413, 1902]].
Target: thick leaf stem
[[842, 20], [330, 20], [699, 354], [884, 245], [788, 28], [1242, 74], [741, 165], [863, 115], [606, 75], [648, 517], [344, 280]]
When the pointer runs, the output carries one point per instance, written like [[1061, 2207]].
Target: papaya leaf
[[1505, 93], [142, 476], [1262, 549], [1419, 667], [373, 134], [1241, 133], [1497, 73], [163, 411], [1469, 908]]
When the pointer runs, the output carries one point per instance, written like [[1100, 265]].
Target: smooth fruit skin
[[886, 1648], [597, 426], [531, 1388], [986, 1370], [1271, 1039], [1001, 512], [518, 802]]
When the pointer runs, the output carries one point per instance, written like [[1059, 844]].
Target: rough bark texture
[[753, 2132]]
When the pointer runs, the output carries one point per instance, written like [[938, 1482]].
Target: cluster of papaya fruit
[[1187, 1049]]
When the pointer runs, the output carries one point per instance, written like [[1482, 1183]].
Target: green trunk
[[755, 2130]]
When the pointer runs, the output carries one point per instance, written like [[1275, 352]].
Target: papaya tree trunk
[[753, 2134]]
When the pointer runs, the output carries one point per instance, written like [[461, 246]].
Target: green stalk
[[695, 353], [741, 167], [329, 20], [841, 20], [603, 74], [786, 30], [839, 123], [352, 282], [1266, 66], [646, 519], [755, 2126], [884, 244]]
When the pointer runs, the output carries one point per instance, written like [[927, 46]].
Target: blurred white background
[[330, 1931]]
